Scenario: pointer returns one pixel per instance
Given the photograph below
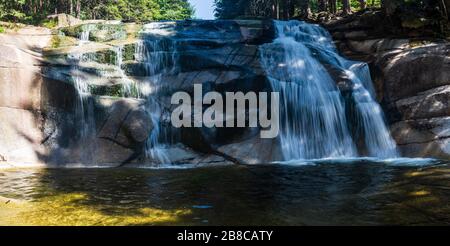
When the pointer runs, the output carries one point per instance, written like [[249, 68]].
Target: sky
[[204, 9]]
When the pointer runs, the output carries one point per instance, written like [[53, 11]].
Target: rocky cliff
[[225, 58], [411, 72], [54, 84], [21, 83]]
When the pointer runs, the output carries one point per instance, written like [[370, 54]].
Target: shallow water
[[358, 192]]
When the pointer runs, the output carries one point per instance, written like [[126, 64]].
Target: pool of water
[[358, 192]]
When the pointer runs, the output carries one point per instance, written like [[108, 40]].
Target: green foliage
[[49, 23], [2, 30], [175, 9], [33, 12], [56, 41], [286, 9], [229, 9]]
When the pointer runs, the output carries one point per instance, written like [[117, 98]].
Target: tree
[[322, 5], [346, 7], [33, 11], [445, 5], [332, 6]]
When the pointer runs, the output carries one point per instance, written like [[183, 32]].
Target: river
[[358, 192]]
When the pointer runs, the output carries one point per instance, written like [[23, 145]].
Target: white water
[[127, 83], [314, 122], [401, 162], [157, 56], [85, 105]]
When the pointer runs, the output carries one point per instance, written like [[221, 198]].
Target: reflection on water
[[358, 193]]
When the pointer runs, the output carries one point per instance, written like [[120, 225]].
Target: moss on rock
[[98, 32]]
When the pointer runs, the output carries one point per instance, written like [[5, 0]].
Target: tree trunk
[[389, 6], [78, 9], [305, 11], [291, 9], [346, 7], [322, 5], [332, 6], [444, 5], [285, 11], [276, 9]]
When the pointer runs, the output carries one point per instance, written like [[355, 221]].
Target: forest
[[35, 11], [288, 9]]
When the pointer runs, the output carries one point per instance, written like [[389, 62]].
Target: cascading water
[[157, 55], [85, 105], [314, 122], [129, 87]]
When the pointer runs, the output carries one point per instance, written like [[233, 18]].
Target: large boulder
[[414, 85], [425, 137]]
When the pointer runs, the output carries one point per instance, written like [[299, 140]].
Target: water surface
[[358, 192]]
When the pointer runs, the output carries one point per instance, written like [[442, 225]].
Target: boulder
[[427, 104], [424, 137], [414, 85], [126, 122], [100, 31], [65, 20], [413, 70]]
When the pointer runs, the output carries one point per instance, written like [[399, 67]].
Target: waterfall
[[82, 86], [85, 33], [85, 106], [129, 87], [157, 56], [302, 64]]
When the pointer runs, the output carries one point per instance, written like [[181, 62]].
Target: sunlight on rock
[[420, 193], [414, 174]]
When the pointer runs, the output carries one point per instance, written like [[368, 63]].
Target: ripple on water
[[329, 192], [367, 160]]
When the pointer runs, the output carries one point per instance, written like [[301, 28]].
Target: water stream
[[157, 56], [328, 106], [305, 67]]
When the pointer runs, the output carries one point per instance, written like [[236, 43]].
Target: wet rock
[[423, 130], [65, 20], [411, 76], [138, 125], [252, 151], [99, 32], [414, 70], [428, 104], [126, 122]]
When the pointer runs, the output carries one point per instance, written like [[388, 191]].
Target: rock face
[[112, 124], [421, 78], [69, 103], [412, 79], [20, 96]]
